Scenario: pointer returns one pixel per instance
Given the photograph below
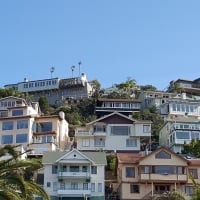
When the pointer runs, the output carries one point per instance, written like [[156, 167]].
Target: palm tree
[[174, 195], [13, 185]]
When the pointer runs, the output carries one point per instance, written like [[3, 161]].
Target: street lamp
[[73, 68], [52, 69], [79, 64]]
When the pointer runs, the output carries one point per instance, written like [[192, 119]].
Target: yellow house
[[147, 175]]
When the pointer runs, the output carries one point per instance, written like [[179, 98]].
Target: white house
[[74, 174], [114, 132]]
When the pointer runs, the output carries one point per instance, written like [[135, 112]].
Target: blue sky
[[151, 41]]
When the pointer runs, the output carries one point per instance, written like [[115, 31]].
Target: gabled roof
[[112, 114], [167, 150], [131, 158], [98, 158]]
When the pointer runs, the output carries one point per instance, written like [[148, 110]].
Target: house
[[105, 106], [21, 123], [190, 87], [143, 176], [114, 132], [156, 98], [58, 91], [74, 175], [178, 130]]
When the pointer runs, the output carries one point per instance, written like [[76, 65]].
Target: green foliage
[[174, 195], [13, 184], [192, 148], [111, 162], [44, 104], [157, 121], [148, 88]]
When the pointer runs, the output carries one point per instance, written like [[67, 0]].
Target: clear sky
[[151, 41]]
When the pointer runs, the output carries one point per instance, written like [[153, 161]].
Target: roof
[[51, 157], [112, 114], [129, 158]]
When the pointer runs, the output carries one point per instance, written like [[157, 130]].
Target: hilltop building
[[57, 91]]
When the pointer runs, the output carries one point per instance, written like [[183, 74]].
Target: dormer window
[[163, 155]]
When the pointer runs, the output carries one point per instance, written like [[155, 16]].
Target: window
[[74, 168], [145, 170], [146, 128], [48, 184], [180, 170], [120, 130], [54, 169], [130, 172], [84, 168], [7, 125], [7, 139], [93, 169], [74, 186], [163, 155], [134, 188], [99, 187], [163, 169], [194, 173], [85, 142], [92, 187], [44, 127], [99, 142], [99, 128], [182, 135], [85, 186], [131, 142], [54, 186], [17, 112], [22, 124], [22, 138], [189, 190]]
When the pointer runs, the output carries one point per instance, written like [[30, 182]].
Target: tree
[[44, 104], [174, 195], [192, 148], [157, 121], [13, 185], [148, 88]]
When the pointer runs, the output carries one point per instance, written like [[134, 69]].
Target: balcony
[[84, 133], [39, 148], [74, 175], [99, 133], [70, 192], [163, 177]]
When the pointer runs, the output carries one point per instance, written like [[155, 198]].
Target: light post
[[73, 68]]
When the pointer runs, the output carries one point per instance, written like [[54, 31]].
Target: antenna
[[52, 69]]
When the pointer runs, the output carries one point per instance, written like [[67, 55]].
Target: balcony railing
[[74, 175], [90, 133], [71, 192], [164, 177]]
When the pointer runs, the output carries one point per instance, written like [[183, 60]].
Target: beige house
[[143, 176], [21, 123]]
